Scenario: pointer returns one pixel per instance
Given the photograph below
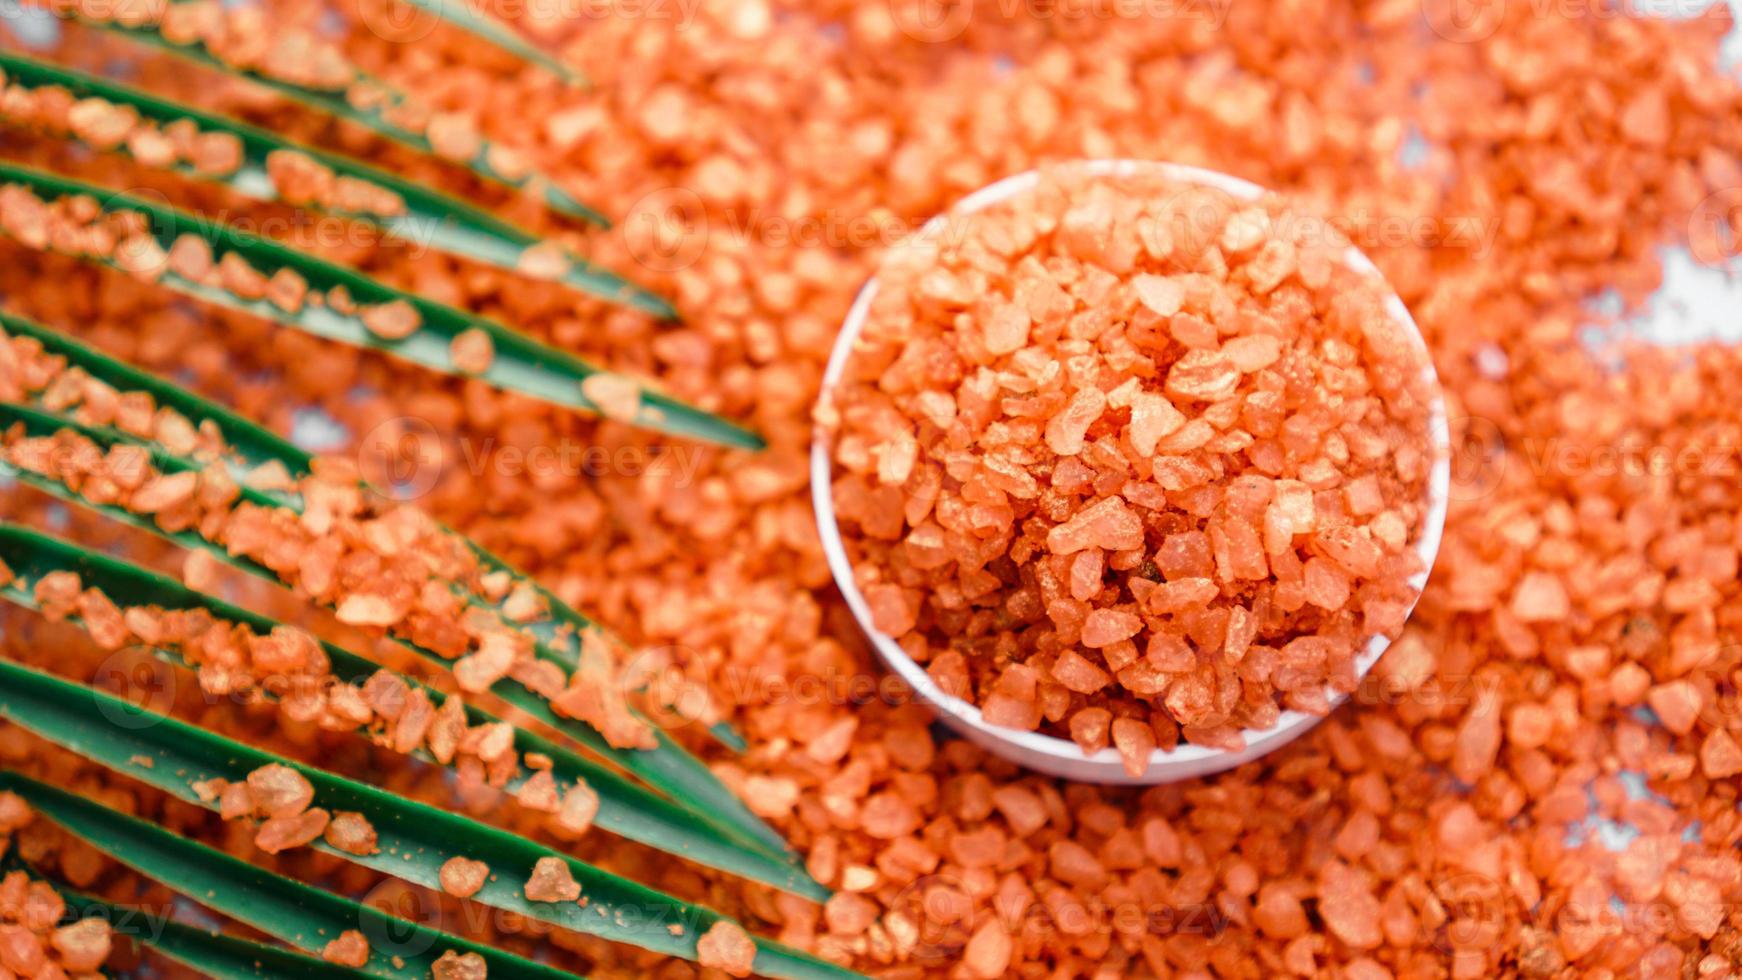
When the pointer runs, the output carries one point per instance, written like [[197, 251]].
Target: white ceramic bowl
[[1057, 756]]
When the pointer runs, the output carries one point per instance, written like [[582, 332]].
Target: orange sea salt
[[552, 881], [283, 833], [83, 945], [452, 965], [726, 947], [461, 877], [472, 351], [280, 791], [351, 833], [393, 320], [350, 949], [888, 114], [1173, 493]]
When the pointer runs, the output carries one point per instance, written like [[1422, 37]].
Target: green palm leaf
[[216, 955], [667, 766], [624, 808], [254, 445], [284, 908], [415, 839], [521, 364], [251, 443], [334, 104], [430, 218], [461, 15], [213, 954]]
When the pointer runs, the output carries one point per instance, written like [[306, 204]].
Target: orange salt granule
[[240, 37], [350, 949], [190, 257], [1720, 755], [142, 257], [552, 881], [1174, 491], [365, 609], [579, 806], [352, 833], [83, 945], [615, 396], [283, 833], [452, 965], [539, 792], [21, 951], [987, 955], [726, 946], [279, 791], [393, 320], [461, 877], [339, 521], [300, 179], [235, 801], [231, 659], [282, 796], [472, 351], [546, 260], [287, 290], [454, 136]]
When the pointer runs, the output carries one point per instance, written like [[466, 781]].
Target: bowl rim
[[1061, 756]]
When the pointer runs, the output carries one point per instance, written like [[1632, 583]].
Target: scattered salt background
[[31, 27], [1696, 302]]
